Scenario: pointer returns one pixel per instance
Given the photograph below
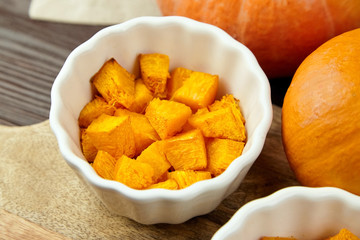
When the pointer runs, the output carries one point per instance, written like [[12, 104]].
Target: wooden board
[[14, 227], [38, 186]]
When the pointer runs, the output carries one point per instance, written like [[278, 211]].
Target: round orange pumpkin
[[280, 33], [321, 116]]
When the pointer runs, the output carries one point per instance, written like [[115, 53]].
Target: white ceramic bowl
[[301, 212], [188, 43]]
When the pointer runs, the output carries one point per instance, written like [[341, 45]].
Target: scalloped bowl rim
[[152, 194], [311, 194]]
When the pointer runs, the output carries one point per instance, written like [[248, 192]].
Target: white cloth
[[92, 12]]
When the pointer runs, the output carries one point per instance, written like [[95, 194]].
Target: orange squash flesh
[[221, 152], [87, 147], [167, 117], [144, 133], [93, 110], [170, 184], [155, 72], [186, 151], [154, 156], [142, 97], [113, 135], [104, 165], [135, 174], [185, 178], [115, 84], [198, 90], [177, 78]]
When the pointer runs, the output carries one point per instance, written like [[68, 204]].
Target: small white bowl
[[188, 43], [300, 212]]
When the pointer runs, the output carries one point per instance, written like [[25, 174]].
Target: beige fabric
[[92, 12], [38, 185]]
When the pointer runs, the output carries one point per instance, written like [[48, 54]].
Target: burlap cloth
[[38, 185]]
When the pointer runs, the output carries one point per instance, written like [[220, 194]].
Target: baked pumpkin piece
[[154, 68], [186, 151], [142, 97], [133, 173], [221, 152], [221, 123], [344, 234], [115, 84], [228, 101], [113, 135], [185, 178], [93, 110], [170, 184], [155, 156], [167, 117], [144, 133], [198, 90], [177, 78], [104, 165], [87, 147]]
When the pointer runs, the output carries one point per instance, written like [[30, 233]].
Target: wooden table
[[31, 55]]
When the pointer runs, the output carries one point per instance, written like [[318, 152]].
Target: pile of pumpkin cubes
[[160, 130]]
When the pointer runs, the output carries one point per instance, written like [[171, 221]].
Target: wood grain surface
[[14, 227], [31, 55]]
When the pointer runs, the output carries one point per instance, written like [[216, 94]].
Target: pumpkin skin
[[321, 116], [279, 33]]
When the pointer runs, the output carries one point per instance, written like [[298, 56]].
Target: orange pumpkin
[[321, 116], [280, 33]]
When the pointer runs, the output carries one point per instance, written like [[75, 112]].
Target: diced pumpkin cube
[[142, 97], [154, 69], [177, 78], [202, 111], [144, 133], [133, 173], [198, 90], [164, 177], [344, 234], [186, 151], [104, 165], [113, 135], [185, 178], [221, 152], [228, 101], [88, 148], [170, 184], [167, 117], [187, 127], [219, 124], [93, 110], [115, 84], [155, 156]]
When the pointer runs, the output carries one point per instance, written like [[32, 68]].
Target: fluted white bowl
[[301, 212], [188, 43]]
